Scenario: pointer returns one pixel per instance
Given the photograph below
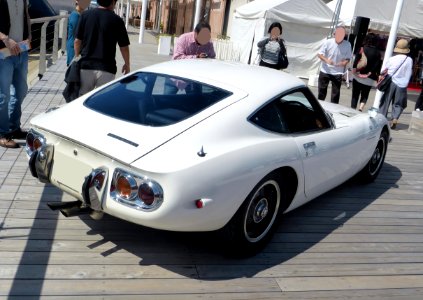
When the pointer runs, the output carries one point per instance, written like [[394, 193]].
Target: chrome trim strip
[[122, 139]]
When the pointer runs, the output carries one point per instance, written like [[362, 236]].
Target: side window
[[301, 113], [269, 118]]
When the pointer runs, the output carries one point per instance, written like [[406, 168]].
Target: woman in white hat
[[400, 67]]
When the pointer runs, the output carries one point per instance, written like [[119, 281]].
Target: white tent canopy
[[381, 12], [306, 24]]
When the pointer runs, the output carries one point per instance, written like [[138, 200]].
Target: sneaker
[[8, 143], [19, 134], [417, 109]]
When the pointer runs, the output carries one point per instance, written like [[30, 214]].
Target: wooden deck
[[355, 242]]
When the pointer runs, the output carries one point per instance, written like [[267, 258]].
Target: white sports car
[[203, 145]]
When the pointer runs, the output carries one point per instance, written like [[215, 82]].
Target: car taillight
[[98, 179], [30, 141], [37, 143], [135, 191], [34, 141], [125, 184], [146, 194]]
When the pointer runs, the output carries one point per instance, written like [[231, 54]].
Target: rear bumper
[[40, 163]]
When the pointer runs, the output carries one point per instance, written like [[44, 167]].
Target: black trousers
[[359, 89], [419, 102], [265, 64], [323, 84]]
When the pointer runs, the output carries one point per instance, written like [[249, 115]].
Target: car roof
[[251, 79]]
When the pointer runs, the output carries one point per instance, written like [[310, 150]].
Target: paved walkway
[[355, 242]]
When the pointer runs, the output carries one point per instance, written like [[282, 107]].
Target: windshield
[[154, 99]]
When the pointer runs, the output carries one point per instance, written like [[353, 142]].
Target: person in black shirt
[[98, 32], [366, 69]]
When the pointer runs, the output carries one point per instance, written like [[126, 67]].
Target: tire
[[254, 223], [369, 173]]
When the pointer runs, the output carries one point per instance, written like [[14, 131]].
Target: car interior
[[293, 112], [154, 100]]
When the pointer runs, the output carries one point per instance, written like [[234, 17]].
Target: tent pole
[[128, 4], [335, 18], [142, 21], [159, 16], [197, 17], [389, 47]]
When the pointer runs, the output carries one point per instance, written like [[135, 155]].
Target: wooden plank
[[293, 284], [78, 270], [96, 272], [267, 259], [390, 294], [345, 247], [311, 270], [135, 286]]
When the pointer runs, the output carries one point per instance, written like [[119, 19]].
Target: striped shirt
[[270, 53]]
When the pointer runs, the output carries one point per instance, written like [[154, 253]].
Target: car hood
[[115, 138]]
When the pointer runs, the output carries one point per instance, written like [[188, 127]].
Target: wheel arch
[[385, 129], [287, 178]]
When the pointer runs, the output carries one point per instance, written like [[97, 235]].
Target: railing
[[60, 23], [226, 50]]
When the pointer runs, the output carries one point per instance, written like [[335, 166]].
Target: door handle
[[309, 145]]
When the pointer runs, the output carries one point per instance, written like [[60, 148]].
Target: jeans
[[13, 89], [397, 97]]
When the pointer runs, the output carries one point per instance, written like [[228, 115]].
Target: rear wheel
[[374, 165], [256, 220]]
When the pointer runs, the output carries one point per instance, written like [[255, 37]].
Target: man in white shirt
[[335, 54], [400, 67]]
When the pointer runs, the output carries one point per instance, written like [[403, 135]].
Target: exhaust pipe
[[70, 209], [61, 205], [76, 211]]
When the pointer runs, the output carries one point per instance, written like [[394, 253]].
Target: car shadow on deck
[[299, 231], [193, 255]]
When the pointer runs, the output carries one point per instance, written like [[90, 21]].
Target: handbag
[[362, 62], [385, 82], [282, 57]]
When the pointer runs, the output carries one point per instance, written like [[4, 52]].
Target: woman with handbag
[[366, 68], [399, 67], [272, 50]]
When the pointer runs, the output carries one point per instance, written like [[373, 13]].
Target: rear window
[[154, 100]]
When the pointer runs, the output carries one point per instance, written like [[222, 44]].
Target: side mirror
[[330, 118]]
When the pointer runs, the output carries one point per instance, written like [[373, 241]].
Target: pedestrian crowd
[[91, 58]]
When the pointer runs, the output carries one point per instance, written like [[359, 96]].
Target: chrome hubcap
[[260, 211]]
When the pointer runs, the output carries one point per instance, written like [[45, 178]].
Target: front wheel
[[371, 170], [255, 221]]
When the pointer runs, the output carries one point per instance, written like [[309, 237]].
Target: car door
[[328, 153]]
